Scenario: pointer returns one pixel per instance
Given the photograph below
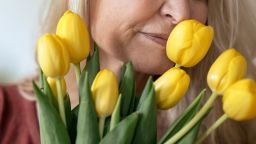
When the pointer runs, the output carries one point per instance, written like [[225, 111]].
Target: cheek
[[113, 23], [199, 11], [105, 25]]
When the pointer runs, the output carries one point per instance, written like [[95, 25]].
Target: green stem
[[101, 126], [195, 119], [222, 119], [78, 72], [177, 65], [61, 101]]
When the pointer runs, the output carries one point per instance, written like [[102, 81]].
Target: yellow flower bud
[[105, 92], [189, 42], [239, 100], [52, 83], [74, 33], [52, 56], [228, 68], [171, 87]]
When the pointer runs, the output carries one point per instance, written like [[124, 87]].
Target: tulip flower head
[[171, 87], [228, 68], [52, 56], [239, 100], [74, 33], [105, 92], [189, 42]]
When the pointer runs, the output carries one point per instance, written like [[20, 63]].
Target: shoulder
[[1, 97], [17, 116], [12, 102], [7, 94], [11, 93], [2, 88], [11, 98]]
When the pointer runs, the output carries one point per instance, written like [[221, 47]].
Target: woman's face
[[137, 30]]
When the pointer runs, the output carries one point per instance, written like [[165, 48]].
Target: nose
[[175, 11]]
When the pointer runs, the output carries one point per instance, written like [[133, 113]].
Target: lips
[[160, 39]]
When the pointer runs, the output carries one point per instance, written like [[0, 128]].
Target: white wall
[[19, 31]]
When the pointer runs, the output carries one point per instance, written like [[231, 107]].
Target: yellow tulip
[[52, 83], [105, 92], [228, 68], [189, 42], [52, 56], [74, 33], [239, 100], [171, 87]]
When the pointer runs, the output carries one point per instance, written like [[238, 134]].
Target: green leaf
[[136, 102], [106, 125], [48, 92], [41, 128], [67, 106], [146, 129], [54, 129], [41, 79], [191, 135], [75, 110], [123, 132], [92, 65], [126, 88], [133, 104], [115, 117], [184, 118], [87, 126], [73, 124]]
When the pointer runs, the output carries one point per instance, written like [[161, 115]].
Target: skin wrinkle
[[223, 77]]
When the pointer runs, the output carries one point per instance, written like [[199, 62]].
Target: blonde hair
[[234, 24], [233, 21]]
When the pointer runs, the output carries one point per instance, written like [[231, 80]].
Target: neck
[[115, 65], [140, 82], [111, 63]]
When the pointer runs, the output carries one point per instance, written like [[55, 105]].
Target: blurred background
[[19, 30]]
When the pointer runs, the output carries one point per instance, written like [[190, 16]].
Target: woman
[[137, 30]]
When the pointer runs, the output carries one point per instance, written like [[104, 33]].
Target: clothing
[[18, 118]]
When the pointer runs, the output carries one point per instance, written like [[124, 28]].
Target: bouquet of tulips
[[110, 113]]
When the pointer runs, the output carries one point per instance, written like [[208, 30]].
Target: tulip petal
[[229, 67], [74, 33], [239, 100], [171, 87], [189, 42]]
